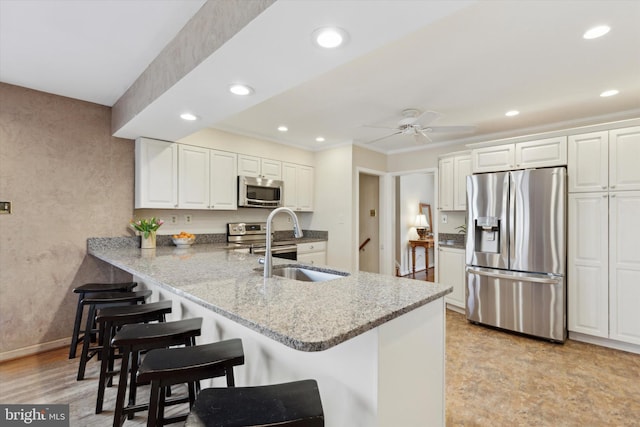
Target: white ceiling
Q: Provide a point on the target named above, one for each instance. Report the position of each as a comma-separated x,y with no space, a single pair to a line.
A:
471,61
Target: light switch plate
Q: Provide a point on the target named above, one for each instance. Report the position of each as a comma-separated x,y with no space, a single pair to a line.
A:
5,207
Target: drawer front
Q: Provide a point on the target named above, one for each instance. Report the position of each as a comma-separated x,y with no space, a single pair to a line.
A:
312,247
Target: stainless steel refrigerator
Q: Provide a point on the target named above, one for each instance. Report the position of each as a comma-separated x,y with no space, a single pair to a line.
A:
516,251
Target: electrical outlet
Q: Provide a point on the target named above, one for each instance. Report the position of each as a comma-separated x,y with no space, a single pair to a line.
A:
444,218
187,219
174,219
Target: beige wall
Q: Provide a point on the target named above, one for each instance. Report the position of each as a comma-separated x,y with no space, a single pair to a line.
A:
68,180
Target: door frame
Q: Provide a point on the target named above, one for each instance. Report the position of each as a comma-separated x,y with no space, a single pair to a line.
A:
382,176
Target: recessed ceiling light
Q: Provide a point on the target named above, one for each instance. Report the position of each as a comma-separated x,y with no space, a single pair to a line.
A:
595,32
188,116
512,113
319,139
610,92
283,128
240,89
329,37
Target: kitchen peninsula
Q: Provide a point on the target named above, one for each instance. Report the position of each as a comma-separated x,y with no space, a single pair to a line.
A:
374,343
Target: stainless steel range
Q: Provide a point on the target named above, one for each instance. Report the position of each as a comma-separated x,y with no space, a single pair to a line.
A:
254,235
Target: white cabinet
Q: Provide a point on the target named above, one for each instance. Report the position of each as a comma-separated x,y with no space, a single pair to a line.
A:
156,174
588,166
521,155
604,265
258,167
588,264
223,177
601,161
624,266
207,179
313,253
298,186
452,177
193,177
624,159
451,265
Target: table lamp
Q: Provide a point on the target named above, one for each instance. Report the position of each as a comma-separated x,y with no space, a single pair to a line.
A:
421,225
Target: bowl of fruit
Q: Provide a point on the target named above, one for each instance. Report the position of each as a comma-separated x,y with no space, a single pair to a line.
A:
184,239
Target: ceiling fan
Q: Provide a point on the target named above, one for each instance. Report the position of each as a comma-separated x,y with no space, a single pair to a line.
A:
416,124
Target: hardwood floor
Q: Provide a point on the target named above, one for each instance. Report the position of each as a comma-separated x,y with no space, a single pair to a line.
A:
493,378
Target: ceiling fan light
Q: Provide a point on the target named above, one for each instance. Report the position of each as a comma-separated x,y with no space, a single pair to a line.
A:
595,32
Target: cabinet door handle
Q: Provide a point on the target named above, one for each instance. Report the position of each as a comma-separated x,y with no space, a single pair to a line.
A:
613,195
613,186
604,196
604,187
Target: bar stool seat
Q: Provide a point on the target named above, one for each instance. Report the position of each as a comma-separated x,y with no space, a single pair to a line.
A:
132,339
111,318
95,301
166,367
289,404
82,291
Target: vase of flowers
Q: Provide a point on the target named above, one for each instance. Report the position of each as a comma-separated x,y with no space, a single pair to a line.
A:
147,229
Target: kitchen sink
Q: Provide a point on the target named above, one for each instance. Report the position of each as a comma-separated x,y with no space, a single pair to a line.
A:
306,274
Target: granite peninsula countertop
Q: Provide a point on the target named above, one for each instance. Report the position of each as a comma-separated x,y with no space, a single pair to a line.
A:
307,316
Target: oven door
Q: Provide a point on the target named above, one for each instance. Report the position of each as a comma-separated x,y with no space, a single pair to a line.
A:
286,252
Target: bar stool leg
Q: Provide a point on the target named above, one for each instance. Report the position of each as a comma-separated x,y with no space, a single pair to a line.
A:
76,328
85,343
118,416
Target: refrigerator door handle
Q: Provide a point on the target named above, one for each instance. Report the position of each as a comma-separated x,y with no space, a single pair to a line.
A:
512,277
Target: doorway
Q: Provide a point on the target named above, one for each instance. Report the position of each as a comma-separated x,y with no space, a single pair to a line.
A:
369,223
411,191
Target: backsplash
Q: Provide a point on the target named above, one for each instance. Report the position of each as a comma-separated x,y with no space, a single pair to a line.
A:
455,239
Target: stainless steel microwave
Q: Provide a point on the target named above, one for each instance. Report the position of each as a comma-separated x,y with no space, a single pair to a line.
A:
260,192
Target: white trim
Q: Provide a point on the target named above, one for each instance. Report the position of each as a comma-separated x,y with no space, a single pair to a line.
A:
34,349
604,342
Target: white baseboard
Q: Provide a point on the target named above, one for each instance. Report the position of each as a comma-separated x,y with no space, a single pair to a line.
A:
34,349
605,342
455,308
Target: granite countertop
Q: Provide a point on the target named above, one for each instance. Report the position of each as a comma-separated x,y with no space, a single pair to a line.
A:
307,316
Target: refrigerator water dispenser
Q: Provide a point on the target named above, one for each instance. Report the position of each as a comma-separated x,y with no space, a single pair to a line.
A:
487,234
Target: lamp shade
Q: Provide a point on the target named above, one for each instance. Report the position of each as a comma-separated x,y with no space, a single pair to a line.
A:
421,221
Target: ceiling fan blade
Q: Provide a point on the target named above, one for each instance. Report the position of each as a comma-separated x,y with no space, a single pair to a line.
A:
424,135
458,129
427,117
380,139
380,127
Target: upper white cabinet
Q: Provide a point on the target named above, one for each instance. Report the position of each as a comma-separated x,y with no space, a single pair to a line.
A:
607,160
207,179
521,155
452,177
170,175
223,179
193,177
258,167
156,174
624,159
588,164
298,186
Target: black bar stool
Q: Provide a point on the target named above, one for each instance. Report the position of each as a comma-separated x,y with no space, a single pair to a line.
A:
290,404
166,367
92,288
132,339
111,318
95,301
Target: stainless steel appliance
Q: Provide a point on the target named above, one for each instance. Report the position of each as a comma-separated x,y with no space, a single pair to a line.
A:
516,251
254,236
260,192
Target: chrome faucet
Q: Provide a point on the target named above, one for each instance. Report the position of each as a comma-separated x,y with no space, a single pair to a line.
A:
297,232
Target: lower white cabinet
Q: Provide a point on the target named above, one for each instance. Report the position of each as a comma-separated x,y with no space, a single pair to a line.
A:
451,266
313,253
604,265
